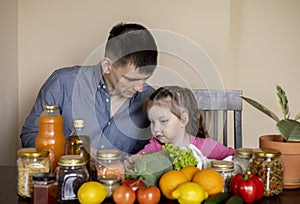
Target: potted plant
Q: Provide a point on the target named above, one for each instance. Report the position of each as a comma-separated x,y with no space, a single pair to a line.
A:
288,139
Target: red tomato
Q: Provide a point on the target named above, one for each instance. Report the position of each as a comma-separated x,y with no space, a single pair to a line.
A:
124,195
134,184
148,195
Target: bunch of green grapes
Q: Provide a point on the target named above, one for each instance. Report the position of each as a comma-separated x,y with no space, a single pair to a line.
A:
180,157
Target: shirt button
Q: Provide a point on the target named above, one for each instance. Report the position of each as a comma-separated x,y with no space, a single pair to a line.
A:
104,86
108,123
107,100
98,87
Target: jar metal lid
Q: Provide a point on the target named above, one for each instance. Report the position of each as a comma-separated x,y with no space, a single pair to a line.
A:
71,160
50,107
110,181
268,153
108,154
244,152
79,123
32,152
44,177
222,165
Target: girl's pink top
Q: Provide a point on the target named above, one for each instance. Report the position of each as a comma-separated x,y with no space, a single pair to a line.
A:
209,147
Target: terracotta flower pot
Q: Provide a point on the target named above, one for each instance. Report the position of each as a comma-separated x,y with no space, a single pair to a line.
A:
290,156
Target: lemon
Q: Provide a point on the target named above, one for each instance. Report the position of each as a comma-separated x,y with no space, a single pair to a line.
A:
190,193
91,192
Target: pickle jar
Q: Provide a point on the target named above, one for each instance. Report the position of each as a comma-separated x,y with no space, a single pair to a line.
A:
242,159
109,164
226,169
29,162
71,174
267,165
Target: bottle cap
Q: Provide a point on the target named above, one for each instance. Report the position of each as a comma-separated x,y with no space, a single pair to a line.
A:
244,152
44,177
71,160
222,165
50,107
267,153
32,152
79,123
107,154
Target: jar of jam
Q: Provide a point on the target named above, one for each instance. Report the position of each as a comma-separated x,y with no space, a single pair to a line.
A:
267,165
44,188
226,169
71,174
29,162
242,159
109,164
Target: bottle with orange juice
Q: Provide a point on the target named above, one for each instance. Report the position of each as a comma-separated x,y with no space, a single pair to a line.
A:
51,136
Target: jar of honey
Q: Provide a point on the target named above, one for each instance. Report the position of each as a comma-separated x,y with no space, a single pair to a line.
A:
51,136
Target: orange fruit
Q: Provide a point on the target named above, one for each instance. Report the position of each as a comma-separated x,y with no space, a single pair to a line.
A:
169,181
189,171
210,180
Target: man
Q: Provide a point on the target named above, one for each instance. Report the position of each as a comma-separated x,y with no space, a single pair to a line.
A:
108,96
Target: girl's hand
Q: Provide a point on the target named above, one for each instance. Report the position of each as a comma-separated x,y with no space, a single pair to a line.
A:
130,161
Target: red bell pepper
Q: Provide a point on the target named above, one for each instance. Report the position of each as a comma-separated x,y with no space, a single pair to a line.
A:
248,186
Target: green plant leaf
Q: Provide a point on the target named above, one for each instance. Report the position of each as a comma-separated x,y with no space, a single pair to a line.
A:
282,101
289,129
262,108
297,117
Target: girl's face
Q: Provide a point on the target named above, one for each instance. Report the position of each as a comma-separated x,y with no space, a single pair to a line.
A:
165,126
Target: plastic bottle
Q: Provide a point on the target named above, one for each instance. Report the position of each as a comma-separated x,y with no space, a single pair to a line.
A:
51,136
79,142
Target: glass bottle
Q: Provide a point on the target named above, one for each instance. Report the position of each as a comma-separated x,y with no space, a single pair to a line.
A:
79,142
242,159
71,174
109,164
267,165
44,188
30,162
51,136
226,169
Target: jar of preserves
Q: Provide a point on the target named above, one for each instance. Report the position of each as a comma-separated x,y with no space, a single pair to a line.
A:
29,162
226,169
267,165
109,164
71,174
44,188
51,136
242,159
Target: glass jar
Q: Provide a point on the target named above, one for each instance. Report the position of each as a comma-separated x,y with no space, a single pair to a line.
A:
226,169
109,164
110,184
51,136
242,159
71,174
44,188
266,164
30,162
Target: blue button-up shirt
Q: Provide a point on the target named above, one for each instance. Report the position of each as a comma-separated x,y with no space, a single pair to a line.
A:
81,93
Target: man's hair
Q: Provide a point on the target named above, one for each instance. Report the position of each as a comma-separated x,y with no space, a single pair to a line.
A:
132,43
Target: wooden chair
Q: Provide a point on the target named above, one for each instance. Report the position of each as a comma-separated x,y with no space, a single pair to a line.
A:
212,102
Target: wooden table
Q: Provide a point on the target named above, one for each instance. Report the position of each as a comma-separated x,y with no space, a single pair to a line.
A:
8,191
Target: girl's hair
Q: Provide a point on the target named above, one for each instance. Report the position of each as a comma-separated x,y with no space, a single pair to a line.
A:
179,100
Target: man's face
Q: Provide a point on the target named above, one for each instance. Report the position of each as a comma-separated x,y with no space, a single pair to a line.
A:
127,80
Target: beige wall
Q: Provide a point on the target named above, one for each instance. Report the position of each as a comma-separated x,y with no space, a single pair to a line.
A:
253,44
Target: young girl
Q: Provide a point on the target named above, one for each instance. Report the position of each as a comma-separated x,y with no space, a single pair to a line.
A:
175,119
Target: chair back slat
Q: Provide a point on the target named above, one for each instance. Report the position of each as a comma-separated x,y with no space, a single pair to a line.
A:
212,102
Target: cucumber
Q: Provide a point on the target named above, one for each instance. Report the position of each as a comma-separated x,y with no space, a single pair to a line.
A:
217,199
235,200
